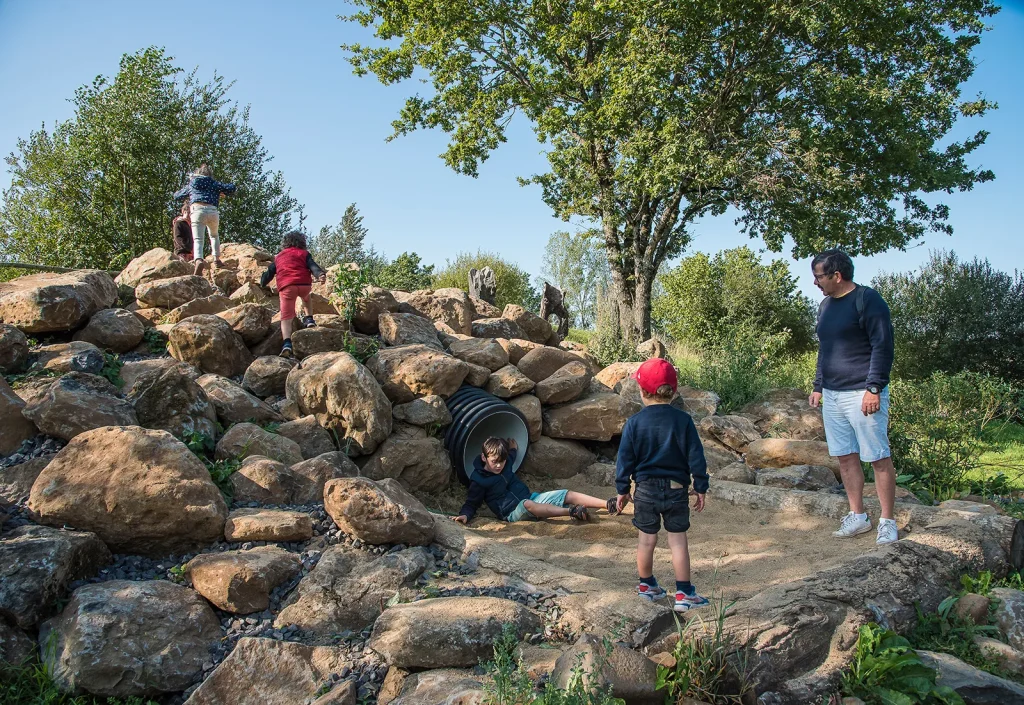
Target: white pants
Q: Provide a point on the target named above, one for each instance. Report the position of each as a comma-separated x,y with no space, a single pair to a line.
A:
205,218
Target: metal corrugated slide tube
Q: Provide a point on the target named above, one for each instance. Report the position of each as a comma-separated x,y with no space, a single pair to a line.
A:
476,416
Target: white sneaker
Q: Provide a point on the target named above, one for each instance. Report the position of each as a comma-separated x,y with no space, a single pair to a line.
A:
852,526
887,532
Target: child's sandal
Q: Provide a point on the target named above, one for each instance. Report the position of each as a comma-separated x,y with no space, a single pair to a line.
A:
579,512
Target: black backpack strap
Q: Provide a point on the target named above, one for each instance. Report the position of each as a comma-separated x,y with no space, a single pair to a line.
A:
859,304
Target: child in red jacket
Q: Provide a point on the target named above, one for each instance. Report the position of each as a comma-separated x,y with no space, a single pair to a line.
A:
294,269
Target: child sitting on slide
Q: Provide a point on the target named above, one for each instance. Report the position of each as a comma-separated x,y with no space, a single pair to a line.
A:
492,481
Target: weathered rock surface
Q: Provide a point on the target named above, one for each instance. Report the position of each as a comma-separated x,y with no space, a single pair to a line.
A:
1009,608
15,428
131,371
250,293
595,418
698,403
517,348
443,685
485,352
781,453
203,306
13,349
140,491
478,375
251,321
246,439
310,476
234,404
447,632
262,480
241,581
123,638
630,675
975,686
413,371
418,461
36,565
209,343
15,647
542,362
372,304
76,356
1003,654
114,329
313,439
509,382
16,480
345,398
496,328
530,407
248,261
378,512
652,348
347,588
535,328
449,306
167,397
269,672
735,432
79,402
266,376
50,302
310,341
408,329
797,477
786,412
425,411
565,384
267,525
158,263
172,293
736,472
972,607
553,457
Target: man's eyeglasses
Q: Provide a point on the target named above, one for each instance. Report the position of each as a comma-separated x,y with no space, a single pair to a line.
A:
819,277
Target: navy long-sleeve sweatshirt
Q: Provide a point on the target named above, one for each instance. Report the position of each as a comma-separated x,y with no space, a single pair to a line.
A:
852,356
501,491
661,441
203,189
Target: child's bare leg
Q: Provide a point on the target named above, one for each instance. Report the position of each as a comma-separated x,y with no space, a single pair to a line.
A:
645,554
680,555
545,511
307,305
286,328
588,501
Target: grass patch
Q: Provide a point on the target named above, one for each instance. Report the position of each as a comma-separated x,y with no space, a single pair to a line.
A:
1004,455
31,684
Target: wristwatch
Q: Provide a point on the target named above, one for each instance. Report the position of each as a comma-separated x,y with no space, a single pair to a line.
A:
874,389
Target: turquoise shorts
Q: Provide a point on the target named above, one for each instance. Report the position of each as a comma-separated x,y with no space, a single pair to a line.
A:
554,497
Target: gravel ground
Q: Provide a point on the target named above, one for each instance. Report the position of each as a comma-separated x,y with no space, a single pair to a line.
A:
33,448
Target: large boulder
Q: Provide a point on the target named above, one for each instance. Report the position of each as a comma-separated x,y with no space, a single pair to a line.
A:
509,382
261,671
347,588
565,384
425,411
626,673
975,686
614,373
373,302
172,293
541,363
783,452
131,371
246,439
140,491
378,512
15,646
698,403
251,293
797,477
250,321
123,639
167,397
79,402
310,341
496,328
310,476
158,263
77,356
734,432
266,376
553,457
267,525
485,352
234,404
36,565
734,472
408,329
477,376
13,349
14,427
517,348
483,309
595,418
786,413
448,631
449,306
536,329
203,306
412,371
114,329
209,343
262,480
50,302
529,406
248,261
313,439
241,581
1009,614
344,397
16,480
441,685
418,461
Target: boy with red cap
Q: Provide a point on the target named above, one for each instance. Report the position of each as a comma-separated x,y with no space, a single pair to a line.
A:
661,452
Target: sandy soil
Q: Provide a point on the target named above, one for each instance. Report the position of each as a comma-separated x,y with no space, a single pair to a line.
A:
735,551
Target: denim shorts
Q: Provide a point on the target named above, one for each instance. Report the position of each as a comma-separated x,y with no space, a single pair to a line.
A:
554,497
656,500
848,430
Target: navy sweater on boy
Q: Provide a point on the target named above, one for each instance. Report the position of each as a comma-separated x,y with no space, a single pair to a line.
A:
501,491
661,441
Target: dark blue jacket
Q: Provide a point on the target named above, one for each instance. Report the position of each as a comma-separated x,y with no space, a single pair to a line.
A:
203,189
855,341
502,492
661,441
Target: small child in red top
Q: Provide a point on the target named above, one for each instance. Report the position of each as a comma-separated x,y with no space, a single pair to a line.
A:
294,269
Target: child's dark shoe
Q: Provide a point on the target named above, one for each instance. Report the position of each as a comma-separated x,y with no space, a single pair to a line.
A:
579,512
650,592
308,322
612,505
685,603
286,350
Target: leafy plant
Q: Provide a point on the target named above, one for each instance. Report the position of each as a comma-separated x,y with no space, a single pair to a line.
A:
221,472
200,444
32,684
887,671
154,341
111,369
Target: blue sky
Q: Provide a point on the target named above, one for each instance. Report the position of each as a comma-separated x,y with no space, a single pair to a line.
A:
327,129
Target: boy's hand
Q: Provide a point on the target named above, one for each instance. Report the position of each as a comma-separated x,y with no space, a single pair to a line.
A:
462,519
621,501
512,444
322,278
698,502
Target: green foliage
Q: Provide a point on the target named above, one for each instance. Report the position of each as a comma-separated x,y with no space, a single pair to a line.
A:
95,191
343,243
886,671
156,343
953,316
350,287
575,263
405,273
608,346
32,684
203,447
706,299
200,444
111,370
818,122
513,283
937,427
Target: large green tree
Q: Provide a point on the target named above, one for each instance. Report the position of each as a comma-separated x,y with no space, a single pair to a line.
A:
575,265
345,242
822,121
96,190
513,282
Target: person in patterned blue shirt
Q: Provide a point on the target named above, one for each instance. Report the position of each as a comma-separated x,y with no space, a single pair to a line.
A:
203,193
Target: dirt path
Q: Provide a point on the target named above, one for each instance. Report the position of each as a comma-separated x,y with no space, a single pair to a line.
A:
749,549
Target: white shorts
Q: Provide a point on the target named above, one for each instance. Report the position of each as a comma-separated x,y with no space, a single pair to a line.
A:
848,430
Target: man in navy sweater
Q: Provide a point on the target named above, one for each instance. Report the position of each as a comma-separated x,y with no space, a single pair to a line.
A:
852,386
661,452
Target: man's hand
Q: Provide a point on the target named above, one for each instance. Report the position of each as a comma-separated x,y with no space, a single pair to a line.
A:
698,502
870,403
814,400
462,519
621,501
512,444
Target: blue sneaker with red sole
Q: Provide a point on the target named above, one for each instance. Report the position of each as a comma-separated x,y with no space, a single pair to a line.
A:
685,603
650,592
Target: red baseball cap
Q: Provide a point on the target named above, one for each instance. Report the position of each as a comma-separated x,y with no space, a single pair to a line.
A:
654,373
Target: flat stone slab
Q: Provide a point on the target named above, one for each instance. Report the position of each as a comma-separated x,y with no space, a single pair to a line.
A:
267,525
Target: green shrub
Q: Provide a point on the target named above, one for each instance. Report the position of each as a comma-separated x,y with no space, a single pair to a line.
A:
32,684
513,283
112,369
154,341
